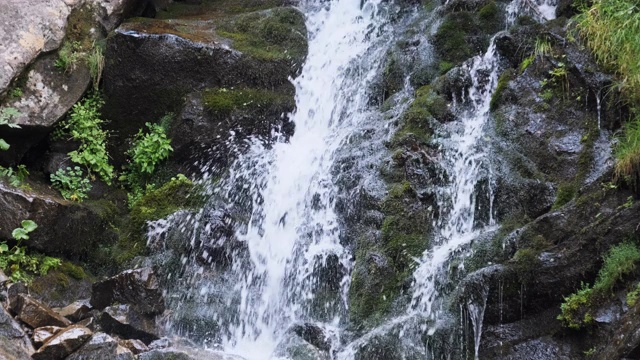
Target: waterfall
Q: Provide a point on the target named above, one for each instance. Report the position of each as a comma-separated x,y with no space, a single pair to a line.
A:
291,232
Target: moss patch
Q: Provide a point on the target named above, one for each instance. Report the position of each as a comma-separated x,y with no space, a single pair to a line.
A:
225,101
176,194
503,81
272,35
425,108
216,8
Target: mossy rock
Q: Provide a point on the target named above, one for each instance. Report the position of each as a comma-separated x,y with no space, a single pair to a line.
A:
216,8
179,193
450,40
271,35
224,101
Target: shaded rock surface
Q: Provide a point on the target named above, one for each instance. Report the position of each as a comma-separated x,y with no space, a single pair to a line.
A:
126,322
36,314
139,288
14,343
101,347
63,344
64,227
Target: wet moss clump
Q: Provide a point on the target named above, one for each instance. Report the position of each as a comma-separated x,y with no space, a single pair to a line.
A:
275,34
179,193
503,81
216,8
224,101
450,40
417,120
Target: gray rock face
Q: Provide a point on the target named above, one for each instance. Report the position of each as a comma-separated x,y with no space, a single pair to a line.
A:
127,323
134,345
139,288
76,311
42,334
14,343
36,314
22,40
101,347
63,344
64,227
165,354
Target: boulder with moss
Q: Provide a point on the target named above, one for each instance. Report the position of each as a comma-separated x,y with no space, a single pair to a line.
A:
234,62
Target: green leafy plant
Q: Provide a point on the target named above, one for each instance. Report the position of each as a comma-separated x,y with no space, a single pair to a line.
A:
633,296
68,56
85,126
71,183
560,76
627,153
16,92
6,115
619,261
15,177
147,151
542,48
15,260
95,61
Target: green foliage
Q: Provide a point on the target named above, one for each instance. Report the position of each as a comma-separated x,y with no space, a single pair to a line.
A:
627,153
16,92
574,308
611,29
503,81
17,177
68,56
147,151
566,192
85,126
526,62
560,76
541,49
633,296
71,183
19,265
95,61
619,261
6,115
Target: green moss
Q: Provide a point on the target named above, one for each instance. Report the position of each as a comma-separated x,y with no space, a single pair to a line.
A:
490,17
393,77
503,81
444,67
82,27
566,193
274,35
174,195
450,39
73,271
525,262
416,121
620,261
225,101
216,8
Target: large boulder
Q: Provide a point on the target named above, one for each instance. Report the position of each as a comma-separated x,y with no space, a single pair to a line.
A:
63,344
152,64
14,343
64,227
101,347
139,288
37,314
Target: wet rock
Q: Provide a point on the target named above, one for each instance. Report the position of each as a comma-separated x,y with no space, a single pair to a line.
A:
63,344
13,290
126,322
42,334
134,345
314,335
64,227
14,343
165,354
36,314
154,59
101,347
454,84
162,343
76,311
294,347
139,288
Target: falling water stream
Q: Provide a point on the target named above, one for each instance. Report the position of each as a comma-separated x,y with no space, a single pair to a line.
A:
290,229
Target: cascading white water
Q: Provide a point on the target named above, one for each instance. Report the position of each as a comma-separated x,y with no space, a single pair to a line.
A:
293,225
467,156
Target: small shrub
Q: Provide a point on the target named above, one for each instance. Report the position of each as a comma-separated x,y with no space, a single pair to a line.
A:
85,125
6,115
17,263
15,177
71,183
627,153
95,61
16,93
619,261
68,56
633,296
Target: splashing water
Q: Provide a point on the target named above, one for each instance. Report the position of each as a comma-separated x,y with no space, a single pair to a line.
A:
293,229
467,154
